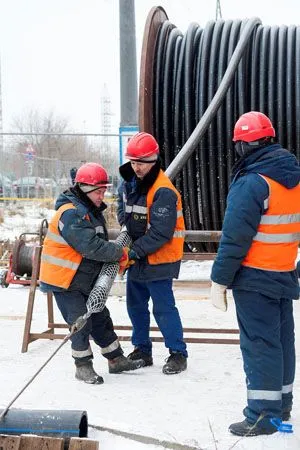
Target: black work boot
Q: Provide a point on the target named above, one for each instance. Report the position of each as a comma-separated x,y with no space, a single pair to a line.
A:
139,354
176,363
249,429
123,364
85,372
286,415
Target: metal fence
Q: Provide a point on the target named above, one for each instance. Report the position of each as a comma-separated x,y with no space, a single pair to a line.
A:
37,165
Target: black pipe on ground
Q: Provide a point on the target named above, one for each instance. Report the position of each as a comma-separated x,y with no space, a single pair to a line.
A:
52,423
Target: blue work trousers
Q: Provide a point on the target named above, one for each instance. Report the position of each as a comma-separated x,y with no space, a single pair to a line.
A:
267,343
164,310
72,304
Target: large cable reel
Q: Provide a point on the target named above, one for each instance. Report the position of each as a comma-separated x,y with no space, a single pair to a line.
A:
180,81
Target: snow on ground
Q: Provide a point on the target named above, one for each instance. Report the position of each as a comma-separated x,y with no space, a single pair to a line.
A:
21,217
193,408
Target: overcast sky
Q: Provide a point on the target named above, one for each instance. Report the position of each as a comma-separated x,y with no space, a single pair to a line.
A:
58,54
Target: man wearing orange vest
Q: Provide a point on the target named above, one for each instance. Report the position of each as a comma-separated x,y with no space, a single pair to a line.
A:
257,260
150,208
74,250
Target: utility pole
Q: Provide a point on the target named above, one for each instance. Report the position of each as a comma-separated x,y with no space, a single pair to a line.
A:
1,126
128,67
218,10
128,75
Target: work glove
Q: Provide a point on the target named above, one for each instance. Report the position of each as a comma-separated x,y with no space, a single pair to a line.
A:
125,262
218,296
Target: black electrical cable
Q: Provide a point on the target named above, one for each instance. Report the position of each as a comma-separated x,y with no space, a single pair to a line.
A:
281,84
204,80
168,93
222,145
159,72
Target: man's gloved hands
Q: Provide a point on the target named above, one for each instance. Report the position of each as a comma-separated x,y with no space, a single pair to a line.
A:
125,261
218,296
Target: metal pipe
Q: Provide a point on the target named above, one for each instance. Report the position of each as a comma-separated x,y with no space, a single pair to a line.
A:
189,235
64,424
202,235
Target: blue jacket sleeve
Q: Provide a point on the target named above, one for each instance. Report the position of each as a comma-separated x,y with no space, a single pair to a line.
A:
245,206
162,220
81,235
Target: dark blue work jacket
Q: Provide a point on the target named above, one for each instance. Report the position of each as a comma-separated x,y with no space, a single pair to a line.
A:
87,236
245,206
163,220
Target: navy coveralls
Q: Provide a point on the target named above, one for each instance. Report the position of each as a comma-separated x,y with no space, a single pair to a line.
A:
263,298
143,279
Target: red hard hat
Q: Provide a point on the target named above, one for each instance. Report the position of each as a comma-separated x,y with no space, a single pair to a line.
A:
253,126
93,174
140,146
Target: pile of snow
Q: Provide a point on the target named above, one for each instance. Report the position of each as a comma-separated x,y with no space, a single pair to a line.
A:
21,218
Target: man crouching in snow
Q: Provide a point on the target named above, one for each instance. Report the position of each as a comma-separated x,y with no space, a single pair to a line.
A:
74,250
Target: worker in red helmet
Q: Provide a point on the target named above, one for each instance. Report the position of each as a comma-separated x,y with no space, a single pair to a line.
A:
150,207
74,250
256,259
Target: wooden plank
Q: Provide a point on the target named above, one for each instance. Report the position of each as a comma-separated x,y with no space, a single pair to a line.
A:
33,442
9,442
83,444
46,335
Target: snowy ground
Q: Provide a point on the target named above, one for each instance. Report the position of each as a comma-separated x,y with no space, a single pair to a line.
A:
191,410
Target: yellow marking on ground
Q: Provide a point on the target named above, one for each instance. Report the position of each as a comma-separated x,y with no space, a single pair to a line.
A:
35,199
21,199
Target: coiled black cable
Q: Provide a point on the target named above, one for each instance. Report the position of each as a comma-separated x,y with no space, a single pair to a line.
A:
188,70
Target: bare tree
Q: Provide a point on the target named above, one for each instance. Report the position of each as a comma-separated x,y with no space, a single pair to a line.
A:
53,152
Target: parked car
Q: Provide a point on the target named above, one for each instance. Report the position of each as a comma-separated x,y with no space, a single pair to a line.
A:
34,187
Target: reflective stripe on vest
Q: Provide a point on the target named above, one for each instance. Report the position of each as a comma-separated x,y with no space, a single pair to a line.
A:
172,250
275,245
136,209
59,261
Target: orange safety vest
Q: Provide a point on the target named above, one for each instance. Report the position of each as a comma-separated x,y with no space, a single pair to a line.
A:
275,246
172,250
59,261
